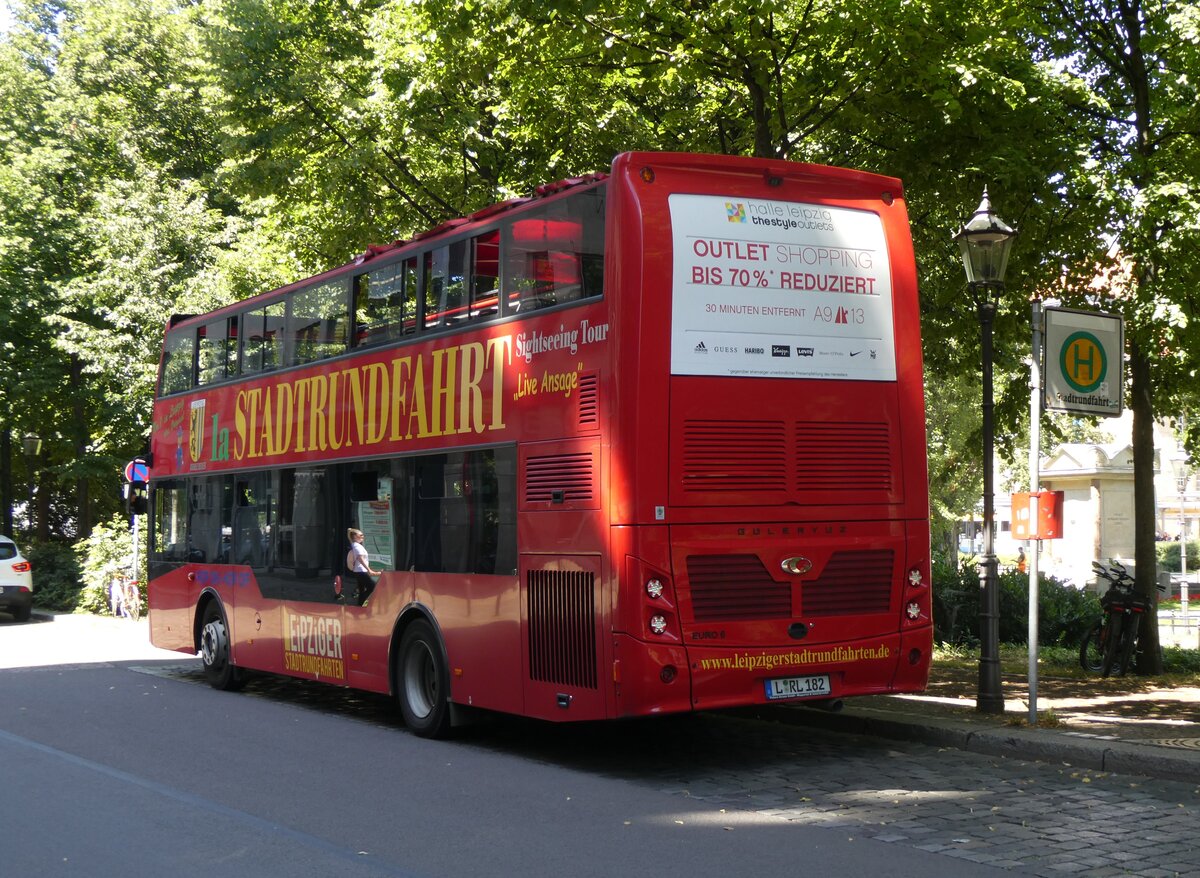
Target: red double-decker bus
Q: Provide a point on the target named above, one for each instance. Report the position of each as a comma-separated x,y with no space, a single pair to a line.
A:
646,442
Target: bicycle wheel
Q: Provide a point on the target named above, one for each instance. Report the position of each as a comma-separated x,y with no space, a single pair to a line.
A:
1115,631
1129,635
134,602
1091,650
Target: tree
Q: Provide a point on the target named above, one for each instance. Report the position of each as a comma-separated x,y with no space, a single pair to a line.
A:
1132,70
103,129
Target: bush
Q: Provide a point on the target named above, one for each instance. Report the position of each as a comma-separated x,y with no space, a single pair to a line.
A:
101,555
1168,555
1177,660
955,602
1064,612
56,576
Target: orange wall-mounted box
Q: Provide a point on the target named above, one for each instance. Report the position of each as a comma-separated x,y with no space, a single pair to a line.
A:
1049,516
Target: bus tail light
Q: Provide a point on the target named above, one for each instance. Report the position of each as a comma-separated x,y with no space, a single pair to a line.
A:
917,600
650,608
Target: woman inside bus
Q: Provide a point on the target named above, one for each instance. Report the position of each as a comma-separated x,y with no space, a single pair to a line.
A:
360,565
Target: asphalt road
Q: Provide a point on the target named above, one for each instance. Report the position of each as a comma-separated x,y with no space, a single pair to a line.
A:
131,765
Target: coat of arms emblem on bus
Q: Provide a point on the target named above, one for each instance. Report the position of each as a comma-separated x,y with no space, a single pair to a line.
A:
196,430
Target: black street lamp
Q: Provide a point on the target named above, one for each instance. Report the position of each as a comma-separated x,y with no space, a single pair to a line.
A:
986,241
32,446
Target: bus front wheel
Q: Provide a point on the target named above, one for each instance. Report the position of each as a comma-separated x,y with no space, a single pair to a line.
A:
219,670
422,684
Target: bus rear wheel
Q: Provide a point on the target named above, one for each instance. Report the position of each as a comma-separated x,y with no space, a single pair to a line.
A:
422,684
219,670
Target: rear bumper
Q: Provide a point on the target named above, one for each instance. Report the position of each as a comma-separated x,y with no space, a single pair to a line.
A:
733,677
15,597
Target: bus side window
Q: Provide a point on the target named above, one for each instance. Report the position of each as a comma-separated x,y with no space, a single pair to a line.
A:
385,303
252,520
412,277
464,512
178,359
445,294
262,338
317,322
170,534
485,275
555,254
216,355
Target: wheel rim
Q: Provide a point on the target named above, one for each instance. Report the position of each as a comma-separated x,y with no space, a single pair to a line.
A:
420,680
214,644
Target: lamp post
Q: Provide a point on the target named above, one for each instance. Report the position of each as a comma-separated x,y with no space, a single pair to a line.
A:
32,446
1182,474
985,241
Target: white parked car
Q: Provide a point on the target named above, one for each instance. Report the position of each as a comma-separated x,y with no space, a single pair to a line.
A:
16,581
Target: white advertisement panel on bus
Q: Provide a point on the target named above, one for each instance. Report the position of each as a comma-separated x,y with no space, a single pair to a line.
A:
779,289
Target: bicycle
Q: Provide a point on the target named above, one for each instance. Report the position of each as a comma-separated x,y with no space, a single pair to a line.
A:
133,600
125,598
1112,642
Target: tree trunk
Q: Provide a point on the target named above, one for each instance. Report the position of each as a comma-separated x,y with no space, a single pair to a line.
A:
6,483
41,502
1146,573
83,514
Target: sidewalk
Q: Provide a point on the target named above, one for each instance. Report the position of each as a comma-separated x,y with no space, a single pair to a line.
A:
1126,725
50,639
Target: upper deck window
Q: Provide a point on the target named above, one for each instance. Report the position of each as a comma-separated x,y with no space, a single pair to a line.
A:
555,253
216,355
445,291
485,275
262,345
178,359
318,322
385,303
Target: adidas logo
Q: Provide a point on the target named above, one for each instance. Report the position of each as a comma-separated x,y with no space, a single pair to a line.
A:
701,349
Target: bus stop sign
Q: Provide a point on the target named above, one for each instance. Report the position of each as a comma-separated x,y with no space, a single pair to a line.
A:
1084,355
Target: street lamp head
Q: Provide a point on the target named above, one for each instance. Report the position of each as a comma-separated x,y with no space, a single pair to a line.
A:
985,241
32,445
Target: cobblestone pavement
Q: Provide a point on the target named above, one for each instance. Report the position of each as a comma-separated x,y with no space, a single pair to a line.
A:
1032,818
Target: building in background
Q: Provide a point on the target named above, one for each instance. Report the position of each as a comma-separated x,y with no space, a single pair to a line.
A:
1098,520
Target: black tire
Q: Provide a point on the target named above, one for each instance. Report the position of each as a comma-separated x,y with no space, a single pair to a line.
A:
1091,650
1129,632
219,670
21,614
422,683
1116,630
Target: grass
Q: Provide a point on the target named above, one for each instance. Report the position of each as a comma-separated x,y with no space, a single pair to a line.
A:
1181,666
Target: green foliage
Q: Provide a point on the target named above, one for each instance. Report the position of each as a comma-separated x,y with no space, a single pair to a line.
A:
102,555
56,576
1168,556
162,156
1064,612
1059,661
1177,660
